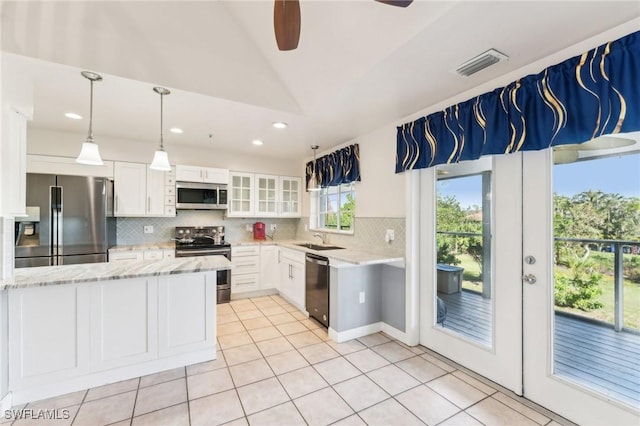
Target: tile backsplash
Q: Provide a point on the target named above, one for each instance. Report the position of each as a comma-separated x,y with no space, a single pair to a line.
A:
368,235
131,229
369,232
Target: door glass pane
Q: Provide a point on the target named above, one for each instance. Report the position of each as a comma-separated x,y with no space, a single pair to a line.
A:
597,271
463,239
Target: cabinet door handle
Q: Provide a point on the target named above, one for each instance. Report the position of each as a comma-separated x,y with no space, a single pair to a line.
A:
116,203
148,204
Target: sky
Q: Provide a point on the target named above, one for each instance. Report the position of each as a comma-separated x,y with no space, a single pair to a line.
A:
610,175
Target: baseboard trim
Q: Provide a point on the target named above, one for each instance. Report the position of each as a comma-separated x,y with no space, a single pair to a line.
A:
92,380
354,333
395,333
7,402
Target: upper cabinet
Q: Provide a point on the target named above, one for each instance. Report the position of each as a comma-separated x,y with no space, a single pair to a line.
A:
13,154
52,165
202,174
267,196
290,196
140,191
258,195
241,197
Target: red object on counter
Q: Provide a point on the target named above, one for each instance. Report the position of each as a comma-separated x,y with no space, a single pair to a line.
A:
259,231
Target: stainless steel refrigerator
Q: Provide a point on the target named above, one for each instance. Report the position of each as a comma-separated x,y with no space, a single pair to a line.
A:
69,221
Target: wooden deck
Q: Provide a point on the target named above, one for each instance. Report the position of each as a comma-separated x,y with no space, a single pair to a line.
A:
587,353
598,357
469,314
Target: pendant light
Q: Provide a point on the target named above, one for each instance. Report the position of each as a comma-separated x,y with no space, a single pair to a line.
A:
312,185
160,158
90,154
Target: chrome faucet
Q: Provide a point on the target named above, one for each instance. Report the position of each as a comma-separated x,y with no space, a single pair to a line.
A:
322,236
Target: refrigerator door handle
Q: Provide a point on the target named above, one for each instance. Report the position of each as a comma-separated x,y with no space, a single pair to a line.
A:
55,200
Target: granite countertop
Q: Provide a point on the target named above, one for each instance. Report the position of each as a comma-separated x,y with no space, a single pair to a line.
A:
170,245
92,272
338,257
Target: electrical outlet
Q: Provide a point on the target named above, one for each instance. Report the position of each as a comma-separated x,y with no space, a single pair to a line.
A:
248,227
273,227
389,235
148,229
362,297
306,227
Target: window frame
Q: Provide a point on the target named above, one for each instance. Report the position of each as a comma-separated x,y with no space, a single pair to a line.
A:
316,213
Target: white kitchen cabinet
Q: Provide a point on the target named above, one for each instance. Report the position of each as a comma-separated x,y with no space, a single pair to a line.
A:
53,165
259,195
118,256
14,157
269,267
150,254
49,328
245,275
130,189
290,196
202,174
266,196
241,195
292,277
124,321
140,191
193,293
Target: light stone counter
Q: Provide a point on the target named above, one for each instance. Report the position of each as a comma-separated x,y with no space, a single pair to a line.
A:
92,272
339,257
170,245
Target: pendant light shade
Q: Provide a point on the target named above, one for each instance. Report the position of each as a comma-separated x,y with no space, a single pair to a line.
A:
160,158
90,153
313,185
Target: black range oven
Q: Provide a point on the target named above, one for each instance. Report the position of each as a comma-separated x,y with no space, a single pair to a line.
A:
206,241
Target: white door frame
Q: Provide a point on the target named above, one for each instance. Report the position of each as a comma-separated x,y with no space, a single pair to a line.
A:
502,362
577,403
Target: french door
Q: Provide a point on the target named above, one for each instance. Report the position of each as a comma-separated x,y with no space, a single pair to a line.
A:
482,329
519,277
570,398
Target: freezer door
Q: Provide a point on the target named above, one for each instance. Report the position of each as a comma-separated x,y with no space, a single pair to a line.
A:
30,262
33,235
82,229
85,258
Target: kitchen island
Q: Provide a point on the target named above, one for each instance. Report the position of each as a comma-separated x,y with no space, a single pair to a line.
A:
81,326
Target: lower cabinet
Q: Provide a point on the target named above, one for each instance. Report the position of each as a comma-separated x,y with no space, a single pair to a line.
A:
245,275
269,267
150,254
124,326
75,335
49,331
192,293
292,277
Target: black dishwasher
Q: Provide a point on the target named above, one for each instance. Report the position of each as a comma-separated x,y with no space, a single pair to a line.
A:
317,286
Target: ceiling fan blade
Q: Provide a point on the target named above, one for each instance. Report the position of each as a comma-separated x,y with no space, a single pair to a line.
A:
399,3
286,23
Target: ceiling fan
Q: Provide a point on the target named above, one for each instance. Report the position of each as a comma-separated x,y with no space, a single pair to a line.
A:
286,20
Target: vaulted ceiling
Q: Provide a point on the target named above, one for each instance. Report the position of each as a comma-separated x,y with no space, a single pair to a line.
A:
359,64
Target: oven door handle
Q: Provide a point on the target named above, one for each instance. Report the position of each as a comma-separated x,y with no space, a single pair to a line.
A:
209,252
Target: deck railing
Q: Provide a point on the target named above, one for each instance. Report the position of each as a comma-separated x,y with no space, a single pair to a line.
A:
618,269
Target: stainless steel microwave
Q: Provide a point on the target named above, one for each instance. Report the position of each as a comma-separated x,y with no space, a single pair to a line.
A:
201,196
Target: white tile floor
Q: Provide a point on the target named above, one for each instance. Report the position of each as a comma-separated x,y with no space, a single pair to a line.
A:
277,367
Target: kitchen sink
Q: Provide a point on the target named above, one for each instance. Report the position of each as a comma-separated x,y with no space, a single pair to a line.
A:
318,246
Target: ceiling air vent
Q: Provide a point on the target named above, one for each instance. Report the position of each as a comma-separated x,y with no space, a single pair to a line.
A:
480,62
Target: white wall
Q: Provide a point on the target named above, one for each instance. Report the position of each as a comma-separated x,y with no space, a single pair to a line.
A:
381,191
49,142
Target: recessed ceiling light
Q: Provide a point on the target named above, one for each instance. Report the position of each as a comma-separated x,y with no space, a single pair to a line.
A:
176,130
73,116
257,142
280,125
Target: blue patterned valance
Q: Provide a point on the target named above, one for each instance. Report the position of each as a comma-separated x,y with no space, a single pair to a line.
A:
584,97
341,166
